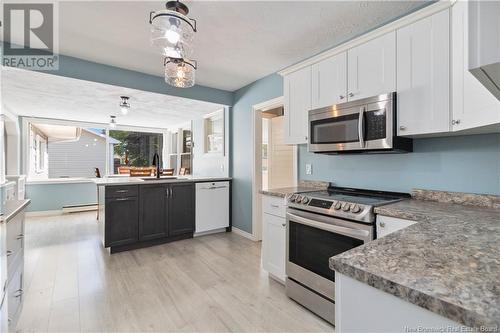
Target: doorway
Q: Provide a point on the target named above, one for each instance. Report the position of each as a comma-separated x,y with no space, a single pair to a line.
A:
274,162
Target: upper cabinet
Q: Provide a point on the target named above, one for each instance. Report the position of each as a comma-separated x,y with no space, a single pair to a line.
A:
372,67
473,105
423,75
329,81
424,57
297,88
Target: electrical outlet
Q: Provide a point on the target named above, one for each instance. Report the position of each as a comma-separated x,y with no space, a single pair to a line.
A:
309,169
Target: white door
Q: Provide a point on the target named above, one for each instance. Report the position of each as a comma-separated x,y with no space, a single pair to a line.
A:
329,81
423,75
297,90
274,245
473,105
372,67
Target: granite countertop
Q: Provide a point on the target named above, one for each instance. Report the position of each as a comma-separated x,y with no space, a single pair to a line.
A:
303,186
110,181
448,262
12,208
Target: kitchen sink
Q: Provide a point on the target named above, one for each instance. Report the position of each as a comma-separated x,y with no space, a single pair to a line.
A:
161,178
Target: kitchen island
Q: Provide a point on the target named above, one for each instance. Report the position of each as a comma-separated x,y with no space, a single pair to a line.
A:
443,271
140,212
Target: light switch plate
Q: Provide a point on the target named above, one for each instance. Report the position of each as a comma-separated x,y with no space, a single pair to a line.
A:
309,169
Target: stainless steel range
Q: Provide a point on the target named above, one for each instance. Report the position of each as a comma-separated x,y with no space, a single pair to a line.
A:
321,225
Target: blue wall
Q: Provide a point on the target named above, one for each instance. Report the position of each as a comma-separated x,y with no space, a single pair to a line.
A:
241,146
91,71
56,196
462,163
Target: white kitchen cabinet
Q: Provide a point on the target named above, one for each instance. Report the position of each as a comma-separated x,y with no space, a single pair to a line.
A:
3,278
473,105
423,75
329,81
387,225
274,245
297,90
274,236
372,67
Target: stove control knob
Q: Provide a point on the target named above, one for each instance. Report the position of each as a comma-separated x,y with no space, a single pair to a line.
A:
346,206
337,205
298,199
291,198
305,200
355,209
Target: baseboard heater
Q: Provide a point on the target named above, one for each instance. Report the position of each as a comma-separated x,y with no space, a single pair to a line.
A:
79,208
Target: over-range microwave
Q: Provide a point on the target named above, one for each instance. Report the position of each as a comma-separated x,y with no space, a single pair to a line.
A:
363,126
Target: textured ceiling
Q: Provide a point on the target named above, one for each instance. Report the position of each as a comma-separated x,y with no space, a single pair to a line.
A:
237,42
34,94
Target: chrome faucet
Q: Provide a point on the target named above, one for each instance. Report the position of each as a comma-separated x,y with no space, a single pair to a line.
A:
156,163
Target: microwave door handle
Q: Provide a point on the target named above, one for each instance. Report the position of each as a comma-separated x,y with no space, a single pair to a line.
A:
361,127
355,233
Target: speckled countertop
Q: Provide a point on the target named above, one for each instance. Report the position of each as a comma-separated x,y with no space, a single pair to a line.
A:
303,186
126,180
448,262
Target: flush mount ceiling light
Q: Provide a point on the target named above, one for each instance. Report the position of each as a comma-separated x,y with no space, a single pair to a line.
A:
172,31
124,105
112,121
180,72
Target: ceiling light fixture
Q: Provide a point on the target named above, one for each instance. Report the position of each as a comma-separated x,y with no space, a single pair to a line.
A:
124,105
112,121
172,31
180,72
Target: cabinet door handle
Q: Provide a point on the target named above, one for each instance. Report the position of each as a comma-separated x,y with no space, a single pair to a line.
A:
9,253
382,224
283,225
20,236
20,293
122,191
402,128
275,206
341,97
455,122
351,94
122,199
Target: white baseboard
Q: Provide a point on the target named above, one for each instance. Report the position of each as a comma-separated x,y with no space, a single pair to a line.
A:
79,208
44,213
244,234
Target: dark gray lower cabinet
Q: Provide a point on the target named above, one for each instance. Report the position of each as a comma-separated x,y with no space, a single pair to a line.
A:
155,214
122,223
181,209
153,222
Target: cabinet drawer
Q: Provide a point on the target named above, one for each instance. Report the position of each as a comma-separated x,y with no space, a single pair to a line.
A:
15,238
273,205
387,225
15,296
121,191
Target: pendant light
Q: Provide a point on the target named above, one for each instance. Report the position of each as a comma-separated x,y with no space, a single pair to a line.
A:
124,105
180,72
112,121
172,31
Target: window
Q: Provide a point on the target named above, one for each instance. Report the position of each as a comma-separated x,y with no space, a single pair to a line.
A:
134,149
58,149
214,132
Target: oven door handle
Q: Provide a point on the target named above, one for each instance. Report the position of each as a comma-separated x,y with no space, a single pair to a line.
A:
356,233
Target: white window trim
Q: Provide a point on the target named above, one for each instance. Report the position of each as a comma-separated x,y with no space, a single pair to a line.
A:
25,151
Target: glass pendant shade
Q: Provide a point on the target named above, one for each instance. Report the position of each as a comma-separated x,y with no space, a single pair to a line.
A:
112,122
124,105
179,72
173,33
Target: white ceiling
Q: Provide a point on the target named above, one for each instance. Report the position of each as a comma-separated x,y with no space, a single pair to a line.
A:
237,42
34,94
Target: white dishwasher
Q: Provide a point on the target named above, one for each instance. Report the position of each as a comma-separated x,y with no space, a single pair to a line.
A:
212,206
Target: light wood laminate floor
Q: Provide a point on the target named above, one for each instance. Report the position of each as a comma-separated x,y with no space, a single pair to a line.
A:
207,284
